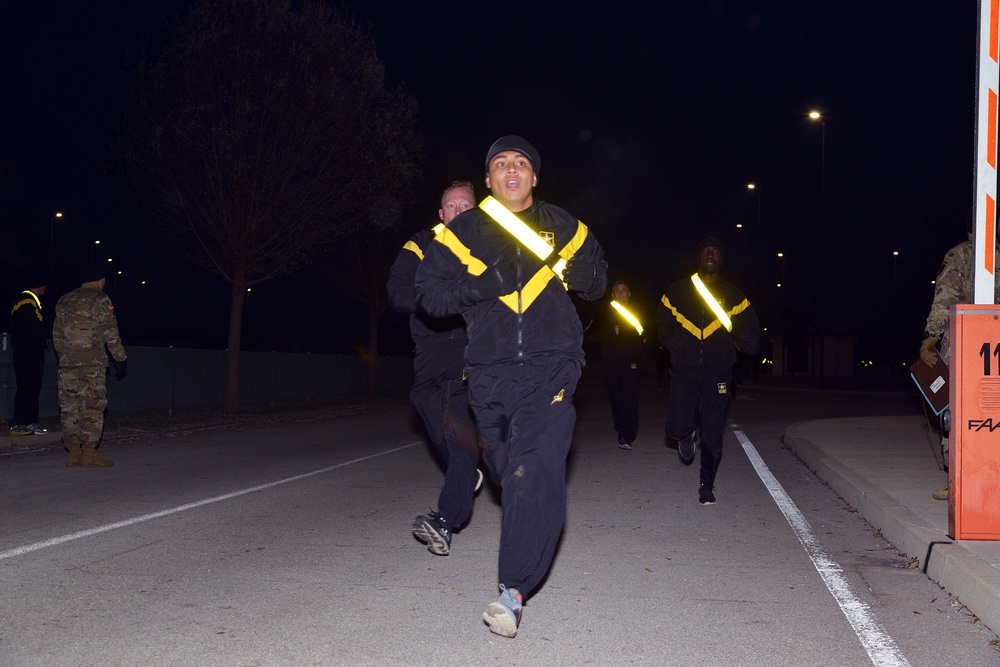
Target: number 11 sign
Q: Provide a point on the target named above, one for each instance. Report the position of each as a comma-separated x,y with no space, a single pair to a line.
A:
974,457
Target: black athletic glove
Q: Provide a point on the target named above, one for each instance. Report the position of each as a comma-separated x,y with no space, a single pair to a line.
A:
121,368
580,275
497,280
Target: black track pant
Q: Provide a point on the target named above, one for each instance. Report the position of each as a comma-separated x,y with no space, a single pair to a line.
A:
443,404
28,367
623,384
699,398
525,416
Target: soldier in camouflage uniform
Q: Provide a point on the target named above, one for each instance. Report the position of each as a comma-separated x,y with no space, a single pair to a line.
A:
953,286
84,327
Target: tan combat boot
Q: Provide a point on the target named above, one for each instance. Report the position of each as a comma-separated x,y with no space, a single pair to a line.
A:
73,460
942,493
90,458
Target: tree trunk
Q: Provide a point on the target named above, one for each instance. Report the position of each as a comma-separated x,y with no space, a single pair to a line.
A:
371,383
231,394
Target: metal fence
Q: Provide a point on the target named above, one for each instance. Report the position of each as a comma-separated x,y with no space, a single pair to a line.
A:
168,378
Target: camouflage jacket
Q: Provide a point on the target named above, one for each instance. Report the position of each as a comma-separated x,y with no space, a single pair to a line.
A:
84,325
953,286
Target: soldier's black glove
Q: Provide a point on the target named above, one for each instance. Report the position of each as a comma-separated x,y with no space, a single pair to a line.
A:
580,275
496,280
121,368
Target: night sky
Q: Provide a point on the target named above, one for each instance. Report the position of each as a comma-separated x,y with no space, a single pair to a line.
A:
651,118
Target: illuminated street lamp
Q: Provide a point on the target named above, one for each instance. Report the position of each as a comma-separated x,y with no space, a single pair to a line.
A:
96,243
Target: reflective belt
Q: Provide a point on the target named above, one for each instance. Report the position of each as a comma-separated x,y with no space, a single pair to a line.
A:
522,232
711,302
627,315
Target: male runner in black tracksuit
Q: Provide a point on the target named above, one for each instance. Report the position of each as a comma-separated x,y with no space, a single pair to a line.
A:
523,358
439,391
702,353
621,348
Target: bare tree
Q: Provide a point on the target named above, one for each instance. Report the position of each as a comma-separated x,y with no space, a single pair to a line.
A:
259,135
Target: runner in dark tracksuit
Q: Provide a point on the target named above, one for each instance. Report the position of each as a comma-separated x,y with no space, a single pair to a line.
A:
621,348
523,358
702,353
439,389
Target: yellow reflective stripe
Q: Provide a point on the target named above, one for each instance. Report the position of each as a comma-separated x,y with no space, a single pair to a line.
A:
692,328
516,227
530,291
559,268
568,250
29,303
687,324
414,248
38,302
632,319
711,302
473,265
574,243
740,307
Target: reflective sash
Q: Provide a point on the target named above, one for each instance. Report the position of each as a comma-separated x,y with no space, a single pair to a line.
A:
710,301
632,319
522,232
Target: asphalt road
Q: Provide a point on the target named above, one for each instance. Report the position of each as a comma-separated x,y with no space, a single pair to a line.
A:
287,542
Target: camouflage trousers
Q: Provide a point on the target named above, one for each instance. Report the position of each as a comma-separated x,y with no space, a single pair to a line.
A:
83,396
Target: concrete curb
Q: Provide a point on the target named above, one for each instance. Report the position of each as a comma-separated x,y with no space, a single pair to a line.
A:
951,564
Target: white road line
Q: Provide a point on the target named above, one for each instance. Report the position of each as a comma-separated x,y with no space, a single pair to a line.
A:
20,551
880,646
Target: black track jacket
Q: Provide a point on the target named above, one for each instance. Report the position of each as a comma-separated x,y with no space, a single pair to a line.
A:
687,327
537,323
427,331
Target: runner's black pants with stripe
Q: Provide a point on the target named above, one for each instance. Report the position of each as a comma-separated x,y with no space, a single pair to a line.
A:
698,399
525,416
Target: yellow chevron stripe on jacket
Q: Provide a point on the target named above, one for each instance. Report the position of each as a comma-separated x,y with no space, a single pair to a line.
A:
534,286
693,329
473,265
415,249
33,301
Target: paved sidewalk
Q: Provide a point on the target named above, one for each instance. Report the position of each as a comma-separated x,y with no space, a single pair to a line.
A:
885,468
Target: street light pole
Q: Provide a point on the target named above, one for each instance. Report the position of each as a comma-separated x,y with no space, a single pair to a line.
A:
52,235
739,226
817,265
752,187
895,317
781,285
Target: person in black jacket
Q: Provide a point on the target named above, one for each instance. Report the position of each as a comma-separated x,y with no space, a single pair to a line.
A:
621,348
438,393
702,331
524,354
28,333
